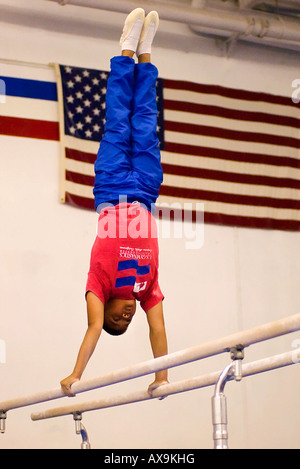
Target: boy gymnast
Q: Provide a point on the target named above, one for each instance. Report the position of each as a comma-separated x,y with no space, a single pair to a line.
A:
128,175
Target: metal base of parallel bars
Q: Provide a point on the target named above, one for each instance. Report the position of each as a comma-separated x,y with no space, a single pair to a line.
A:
81,430
2,421
219,403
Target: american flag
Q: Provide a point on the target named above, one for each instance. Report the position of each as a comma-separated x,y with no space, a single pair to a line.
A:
236,151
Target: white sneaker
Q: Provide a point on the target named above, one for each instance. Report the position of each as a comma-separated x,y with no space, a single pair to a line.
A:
132,29
149,30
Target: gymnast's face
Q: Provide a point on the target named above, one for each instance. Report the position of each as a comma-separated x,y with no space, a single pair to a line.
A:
118,315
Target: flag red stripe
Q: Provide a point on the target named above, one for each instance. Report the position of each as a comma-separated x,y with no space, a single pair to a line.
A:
48,130
79,178
80,156
227,113
236,135
192,172
230,177
227,92
229,220
257,158
202,195
210,218
251,222
30,128
193,150
78,201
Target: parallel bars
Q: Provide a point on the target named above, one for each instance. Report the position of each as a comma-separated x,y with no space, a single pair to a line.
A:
215,347
249,369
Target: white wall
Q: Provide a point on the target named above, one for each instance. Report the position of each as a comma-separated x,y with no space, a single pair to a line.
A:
240,278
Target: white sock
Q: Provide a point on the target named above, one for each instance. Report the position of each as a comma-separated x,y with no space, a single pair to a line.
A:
133,37
145,45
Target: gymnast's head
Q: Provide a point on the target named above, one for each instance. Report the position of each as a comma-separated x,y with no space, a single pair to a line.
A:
118,315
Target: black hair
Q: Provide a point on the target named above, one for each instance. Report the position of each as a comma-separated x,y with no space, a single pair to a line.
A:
110,330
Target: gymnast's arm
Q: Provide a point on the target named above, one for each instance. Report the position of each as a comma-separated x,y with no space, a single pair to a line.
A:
95,310
158,340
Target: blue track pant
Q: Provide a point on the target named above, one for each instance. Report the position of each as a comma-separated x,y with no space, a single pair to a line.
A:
128,160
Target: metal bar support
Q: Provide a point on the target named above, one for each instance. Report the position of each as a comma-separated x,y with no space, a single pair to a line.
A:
81,430
219,402
2,421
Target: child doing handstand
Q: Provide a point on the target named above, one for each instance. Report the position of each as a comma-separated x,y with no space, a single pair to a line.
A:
128,175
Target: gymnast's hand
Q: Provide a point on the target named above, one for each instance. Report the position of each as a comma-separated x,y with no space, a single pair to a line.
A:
156,384
66,385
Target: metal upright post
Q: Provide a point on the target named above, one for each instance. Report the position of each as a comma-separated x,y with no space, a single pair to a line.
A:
219,403
2,421
219,410
80,430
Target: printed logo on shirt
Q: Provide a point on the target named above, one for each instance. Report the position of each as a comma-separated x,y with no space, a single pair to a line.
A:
125,282
135,253
131,280
134,264
139,286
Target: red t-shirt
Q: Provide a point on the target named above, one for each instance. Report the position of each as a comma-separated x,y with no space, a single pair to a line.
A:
124,257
